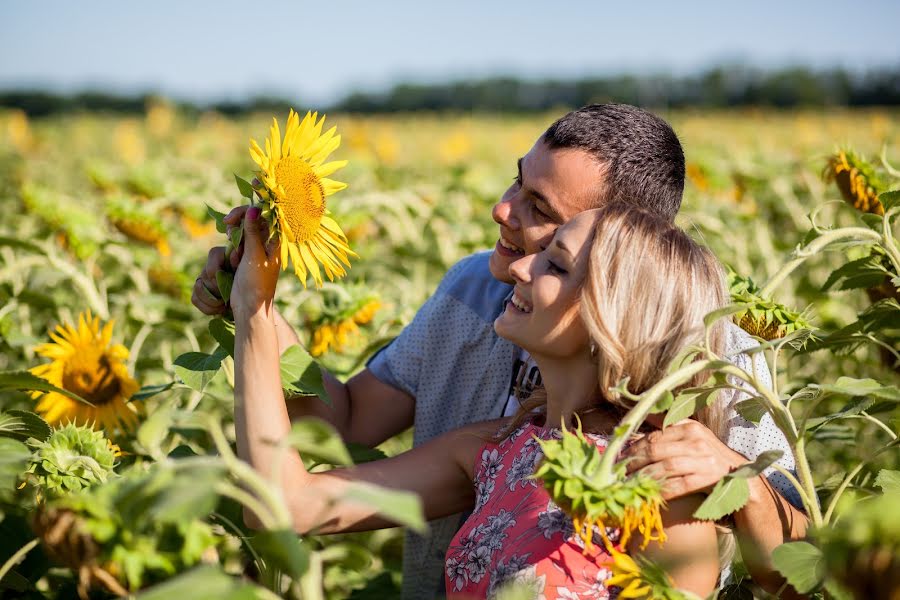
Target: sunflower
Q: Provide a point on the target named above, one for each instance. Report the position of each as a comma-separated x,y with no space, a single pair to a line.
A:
643,579
336,332
87,364
293,186
857,181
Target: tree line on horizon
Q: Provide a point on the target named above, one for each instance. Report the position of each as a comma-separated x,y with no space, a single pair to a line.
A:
721,87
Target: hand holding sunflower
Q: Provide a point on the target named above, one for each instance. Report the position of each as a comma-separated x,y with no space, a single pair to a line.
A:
257,272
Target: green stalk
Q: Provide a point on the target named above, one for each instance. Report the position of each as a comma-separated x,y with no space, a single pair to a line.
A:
245,475
17,557
814,247
639,412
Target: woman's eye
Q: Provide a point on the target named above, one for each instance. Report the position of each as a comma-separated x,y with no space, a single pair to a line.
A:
554,268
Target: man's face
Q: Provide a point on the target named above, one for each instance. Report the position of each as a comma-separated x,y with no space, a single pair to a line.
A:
551,187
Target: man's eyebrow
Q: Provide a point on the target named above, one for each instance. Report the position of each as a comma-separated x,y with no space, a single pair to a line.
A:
547,207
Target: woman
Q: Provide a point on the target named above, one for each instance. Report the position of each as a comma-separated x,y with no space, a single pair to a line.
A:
618,293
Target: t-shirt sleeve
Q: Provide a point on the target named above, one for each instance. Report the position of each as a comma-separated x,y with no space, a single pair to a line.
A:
748,438
400,363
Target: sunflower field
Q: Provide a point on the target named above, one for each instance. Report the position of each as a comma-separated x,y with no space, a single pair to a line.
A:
118,475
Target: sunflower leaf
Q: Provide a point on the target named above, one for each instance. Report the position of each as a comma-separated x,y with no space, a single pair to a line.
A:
762,462
23,380
300,374
218,217
317,439
284,550
801,563
889,199
196,369
21,425
404,508
244,187
224,280
729,495
14,457
888,481
223,332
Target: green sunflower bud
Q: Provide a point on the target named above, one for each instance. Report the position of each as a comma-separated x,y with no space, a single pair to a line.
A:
74,457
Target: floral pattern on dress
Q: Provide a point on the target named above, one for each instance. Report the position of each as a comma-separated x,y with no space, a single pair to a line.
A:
517,535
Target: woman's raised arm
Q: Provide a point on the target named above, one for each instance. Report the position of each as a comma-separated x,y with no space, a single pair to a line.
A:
440,472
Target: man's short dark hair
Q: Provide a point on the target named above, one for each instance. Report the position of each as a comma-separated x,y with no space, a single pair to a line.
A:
641,155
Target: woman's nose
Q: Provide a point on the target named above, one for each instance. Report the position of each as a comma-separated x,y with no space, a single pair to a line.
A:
520,270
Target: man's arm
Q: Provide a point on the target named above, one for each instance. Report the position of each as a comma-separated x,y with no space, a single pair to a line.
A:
693,460
364,410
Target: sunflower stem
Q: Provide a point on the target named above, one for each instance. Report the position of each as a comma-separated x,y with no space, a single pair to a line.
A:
800,254
639,412
18,557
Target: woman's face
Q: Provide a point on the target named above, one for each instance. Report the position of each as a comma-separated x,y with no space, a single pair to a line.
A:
542,316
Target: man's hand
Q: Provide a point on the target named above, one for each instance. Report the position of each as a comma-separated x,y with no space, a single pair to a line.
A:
206,296
688,455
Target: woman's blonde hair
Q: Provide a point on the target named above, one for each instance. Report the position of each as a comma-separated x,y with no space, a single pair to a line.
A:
645,294
647,288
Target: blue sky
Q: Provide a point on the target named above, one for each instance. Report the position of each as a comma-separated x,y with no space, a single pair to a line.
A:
207,50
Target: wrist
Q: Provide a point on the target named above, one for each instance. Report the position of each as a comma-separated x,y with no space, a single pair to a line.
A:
262,313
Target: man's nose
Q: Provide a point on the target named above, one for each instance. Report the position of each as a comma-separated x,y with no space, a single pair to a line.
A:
505,212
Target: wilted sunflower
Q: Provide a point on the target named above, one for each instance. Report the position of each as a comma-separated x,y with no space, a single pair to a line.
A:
857,180
643,579
336,331
763,317
87,364
293,186
571,474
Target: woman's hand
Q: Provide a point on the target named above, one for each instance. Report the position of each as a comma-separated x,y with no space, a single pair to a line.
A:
257,273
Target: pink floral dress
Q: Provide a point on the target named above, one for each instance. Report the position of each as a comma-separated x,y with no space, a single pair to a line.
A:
517,533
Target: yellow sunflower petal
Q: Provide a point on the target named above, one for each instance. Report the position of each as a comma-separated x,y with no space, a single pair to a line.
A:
331,186
328,168
311,264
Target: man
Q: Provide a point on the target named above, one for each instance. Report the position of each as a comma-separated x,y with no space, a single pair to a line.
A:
448,367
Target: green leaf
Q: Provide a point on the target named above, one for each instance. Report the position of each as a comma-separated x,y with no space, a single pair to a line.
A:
20,244
854,407
725,311
23,380
191,494
687,403
283,548
848,386
153,431
403,508
225,280
752,409
889,199
218,217
148,391
729,495
21,425
14,456
861,273
237,234
314,438
300,374
223,332
244,187
362,454
196,369
801,563
888,481
762,462
664,402
205,583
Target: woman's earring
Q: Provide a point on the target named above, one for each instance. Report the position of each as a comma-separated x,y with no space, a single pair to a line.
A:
593,350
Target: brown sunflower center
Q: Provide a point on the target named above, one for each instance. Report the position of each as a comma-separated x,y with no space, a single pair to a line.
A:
304,202
95,382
